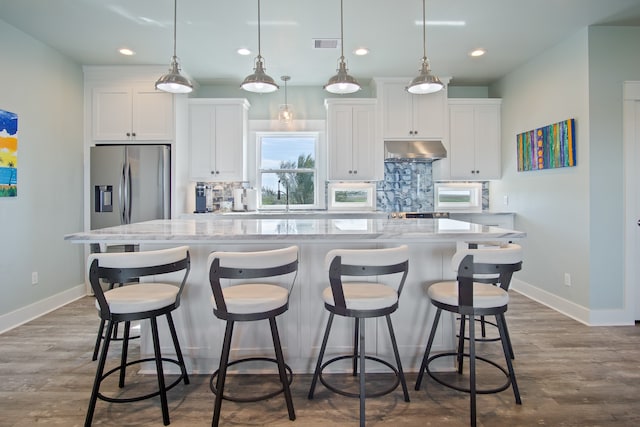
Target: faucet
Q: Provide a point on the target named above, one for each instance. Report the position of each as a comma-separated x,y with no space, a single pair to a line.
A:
286,193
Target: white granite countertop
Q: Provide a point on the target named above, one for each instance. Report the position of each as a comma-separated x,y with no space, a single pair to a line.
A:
216,229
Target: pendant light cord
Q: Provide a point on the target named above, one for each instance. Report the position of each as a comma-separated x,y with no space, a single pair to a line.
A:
424,32
175,20
341,34
259,50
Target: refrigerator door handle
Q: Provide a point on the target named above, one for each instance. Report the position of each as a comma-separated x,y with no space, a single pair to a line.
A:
121,195
129,198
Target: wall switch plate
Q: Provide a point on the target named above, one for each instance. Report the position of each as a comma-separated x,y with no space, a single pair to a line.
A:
567,279
34,278
505,200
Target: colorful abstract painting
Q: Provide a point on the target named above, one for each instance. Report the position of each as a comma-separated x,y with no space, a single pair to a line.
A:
8,154
548,147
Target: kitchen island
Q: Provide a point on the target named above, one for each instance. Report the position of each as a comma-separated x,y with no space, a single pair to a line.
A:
432,242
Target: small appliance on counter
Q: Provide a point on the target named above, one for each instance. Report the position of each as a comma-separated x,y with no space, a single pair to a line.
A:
238,199
251,199
245,200
201,197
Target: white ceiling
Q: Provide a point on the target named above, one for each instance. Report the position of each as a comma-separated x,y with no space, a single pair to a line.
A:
209,32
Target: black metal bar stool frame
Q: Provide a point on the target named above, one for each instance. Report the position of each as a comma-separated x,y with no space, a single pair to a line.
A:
466,310
336,270
126,275
216,273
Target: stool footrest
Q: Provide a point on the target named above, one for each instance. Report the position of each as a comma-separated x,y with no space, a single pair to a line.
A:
350,394
466,389
142,397
254,398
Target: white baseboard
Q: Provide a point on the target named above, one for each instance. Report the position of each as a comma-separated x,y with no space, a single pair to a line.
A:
610,317
32,311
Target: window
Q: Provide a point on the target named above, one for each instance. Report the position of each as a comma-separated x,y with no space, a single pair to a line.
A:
287,170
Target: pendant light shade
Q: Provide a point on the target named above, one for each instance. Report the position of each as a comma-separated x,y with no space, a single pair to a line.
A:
173,81
259,81
285,115
425,82
342,82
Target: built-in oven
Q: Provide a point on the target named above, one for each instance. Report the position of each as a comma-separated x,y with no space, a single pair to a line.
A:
410,215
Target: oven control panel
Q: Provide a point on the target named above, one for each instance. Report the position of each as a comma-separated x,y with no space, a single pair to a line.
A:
409,215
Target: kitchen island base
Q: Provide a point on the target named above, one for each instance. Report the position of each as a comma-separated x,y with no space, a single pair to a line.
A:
301,327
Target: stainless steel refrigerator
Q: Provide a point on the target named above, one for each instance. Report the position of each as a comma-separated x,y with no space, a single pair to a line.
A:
129,183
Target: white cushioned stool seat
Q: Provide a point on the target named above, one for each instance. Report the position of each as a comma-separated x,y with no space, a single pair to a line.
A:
485,295
364,295
140,298
253,298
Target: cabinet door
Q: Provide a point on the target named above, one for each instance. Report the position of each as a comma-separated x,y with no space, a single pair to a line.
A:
112,112
125,113
229,146
487,124
217,142
429,113
152,118
398,111
340,129
201,141
462,142
364,143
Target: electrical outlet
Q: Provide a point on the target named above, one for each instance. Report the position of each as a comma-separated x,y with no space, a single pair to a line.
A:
34,278
505,200
567,279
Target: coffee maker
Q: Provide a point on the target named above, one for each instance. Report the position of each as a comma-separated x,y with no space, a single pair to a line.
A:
201,197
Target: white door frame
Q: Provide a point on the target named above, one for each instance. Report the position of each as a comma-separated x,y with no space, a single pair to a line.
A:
631,150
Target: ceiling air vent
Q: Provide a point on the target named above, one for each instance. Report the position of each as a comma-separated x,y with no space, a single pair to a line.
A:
326,43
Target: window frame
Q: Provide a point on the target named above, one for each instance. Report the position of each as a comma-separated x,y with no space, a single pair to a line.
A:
317,179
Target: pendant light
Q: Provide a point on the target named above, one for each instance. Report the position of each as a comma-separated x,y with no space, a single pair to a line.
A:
173,81
425,82
259,81
342,82
285,115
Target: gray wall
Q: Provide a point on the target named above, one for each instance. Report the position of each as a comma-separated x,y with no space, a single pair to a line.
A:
45,90
572,216
613,58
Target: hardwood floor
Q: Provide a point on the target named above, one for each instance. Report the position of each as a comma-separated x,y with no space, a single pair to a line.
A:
569,375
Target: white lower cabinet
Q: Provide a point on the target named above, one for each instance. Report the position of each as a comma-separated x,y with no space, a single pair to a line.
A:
218,139
474,139
355,152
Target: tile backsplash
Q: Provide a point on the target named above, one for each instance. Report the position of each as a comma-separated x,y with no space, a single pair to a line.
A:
408,187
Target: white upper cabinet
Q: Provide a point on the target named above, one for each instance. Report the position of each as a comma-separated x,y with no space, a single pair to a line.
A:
139,113
355,153
474,132
218,139
408,116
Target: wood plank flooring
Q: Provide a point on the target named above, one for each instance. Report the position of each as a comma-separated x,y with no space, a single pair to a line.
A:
569,375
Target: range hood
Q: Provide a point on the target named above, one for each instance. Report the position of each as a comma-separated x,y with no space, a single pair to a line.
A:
424,151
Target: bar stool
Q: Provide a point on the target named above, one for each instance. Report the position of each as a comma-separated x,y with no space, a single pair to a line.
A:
361,300
246,299
147,300
495,280
469,298
101,248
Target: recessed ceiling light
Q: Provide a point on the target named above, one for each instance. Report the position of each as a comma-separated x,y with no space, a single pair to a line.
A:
477,52
361,51
244,51
126,51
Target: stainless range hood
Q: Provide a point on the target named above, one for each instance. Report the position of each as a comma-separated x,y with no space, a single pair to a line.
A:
418,151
